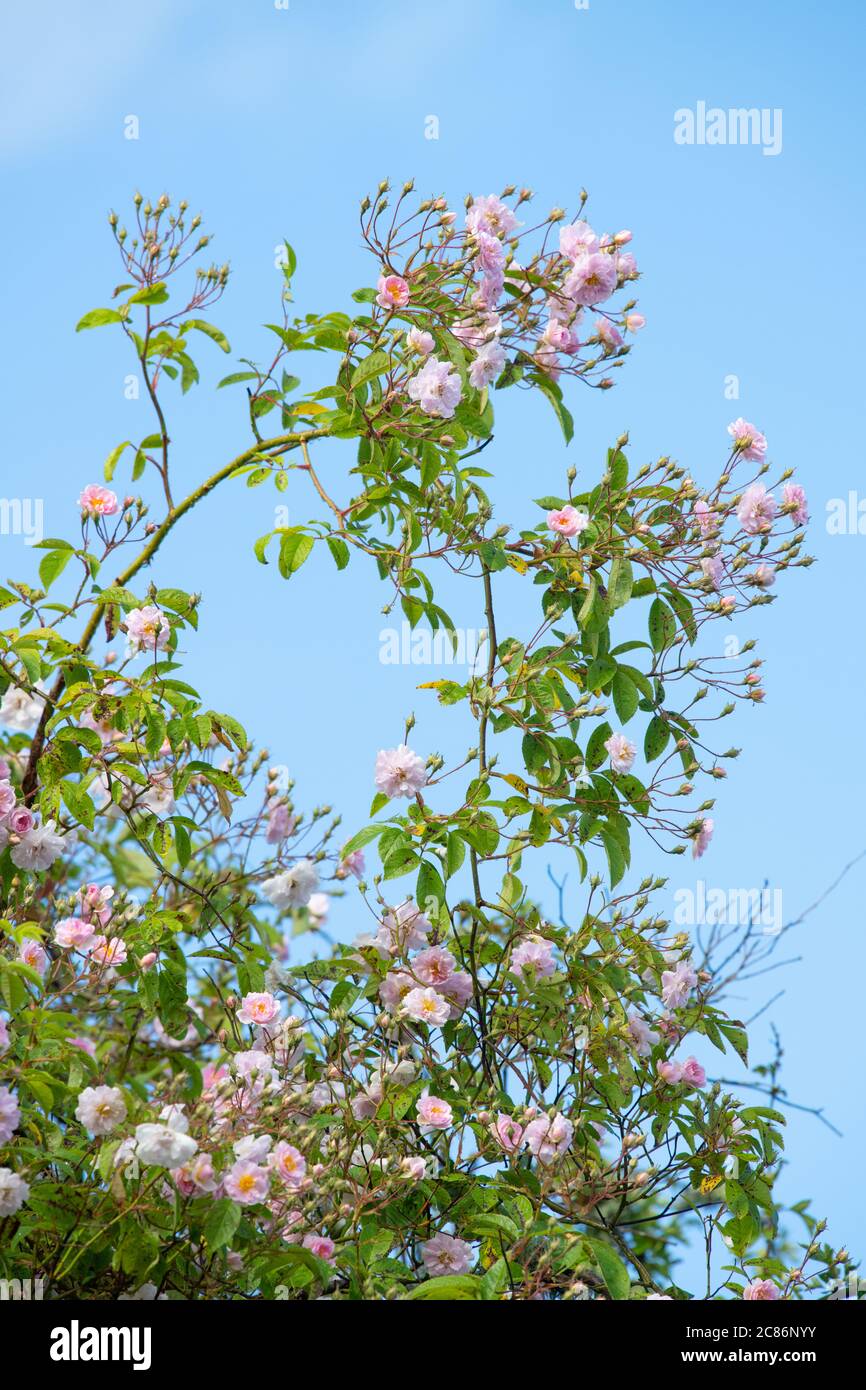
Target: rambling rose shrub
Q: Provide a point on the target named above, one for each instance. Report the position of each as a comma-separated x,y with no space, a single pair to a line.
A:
470,1100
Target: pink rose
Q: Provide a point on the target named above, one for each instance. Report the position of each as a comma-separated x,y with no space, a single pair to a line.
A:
568,521
96,501
393,292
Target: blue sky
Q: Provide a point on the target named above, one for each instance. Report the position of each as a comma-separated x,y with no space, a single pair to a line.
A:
275,123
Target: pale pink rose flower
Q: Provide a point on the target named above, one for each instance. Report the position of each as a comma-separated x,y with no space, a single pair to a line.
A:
608,334
433,966
474,332
20,710
404,928
288,1163
246,1182
8,798
678,984
322,1246
491,253
567,521
489,214
96,501
592,279
213,1075
280,822
393,292
671,1072
20,821
394,988
626,267
458,990
706,518
446,1254
293,887
487,365
561,337
109,951
577,240
748,440
436,388
764,576
761,1291
693,1073
39,848
196,1177
644,1037
352,864
148,961
420,341
10,1114
507,1133
319,906
100,1108
74,934
95,902
426,1006
703,837
756,510
622,238
635,322
794,496
713,569
532,959
399,771
33,955
147,629
14,1192
433,1113
548,1137
413,1168
253,1148
622,752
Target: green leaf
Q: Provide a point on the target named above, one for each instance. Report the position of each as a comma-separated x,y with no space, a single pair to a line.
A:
79,803
202,326
662,626
52,565
453,1287
97,317
111,462
150,294
595,749
339,550
553,393
375,365
613,1271
656,738
295,548
625,696
222,1221
429,886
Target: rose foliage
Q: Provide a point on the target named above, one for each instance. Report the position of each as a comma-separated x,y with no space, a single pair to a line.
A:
470,1100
